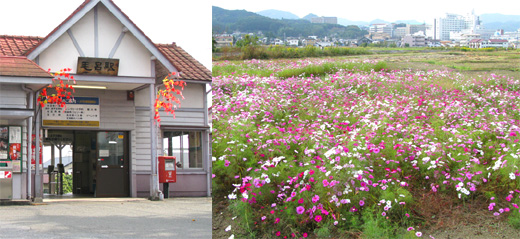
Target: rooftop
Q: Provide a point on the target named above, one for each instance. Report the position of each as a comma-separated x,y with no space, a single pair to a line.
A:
21,66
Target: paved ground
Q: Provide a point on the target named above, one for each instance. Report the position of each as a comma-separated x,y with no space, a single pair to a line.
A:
109,218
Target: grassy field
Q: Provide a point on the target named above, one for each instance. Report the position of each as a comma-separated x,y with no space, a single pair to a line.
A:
336,148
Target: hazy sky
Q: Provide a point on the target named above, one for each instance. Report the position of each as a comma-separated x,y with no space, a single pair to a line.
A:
422,11
188,23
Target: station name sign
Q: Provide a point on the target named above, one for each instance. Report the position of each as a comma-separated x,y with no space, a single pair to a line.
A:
80,112
98,66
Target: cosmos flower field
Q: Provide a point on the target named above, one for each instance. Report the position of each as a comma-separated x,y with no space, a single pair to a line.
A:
352,151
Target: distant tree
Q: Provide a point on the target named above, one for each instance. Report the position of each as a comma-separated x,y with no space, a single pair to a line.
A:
247,40
213,44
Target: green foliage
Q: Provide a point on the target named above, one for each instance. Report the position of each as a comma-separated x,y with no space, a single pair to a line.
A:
247,40
277,52
67,183
243,21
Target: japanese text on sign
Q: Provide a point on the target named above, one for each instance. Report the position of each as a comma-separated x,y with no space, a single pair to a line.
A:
80,112
98,66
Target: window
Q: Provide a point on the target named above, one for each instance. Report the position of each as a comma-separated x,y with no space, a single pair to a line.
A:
186,146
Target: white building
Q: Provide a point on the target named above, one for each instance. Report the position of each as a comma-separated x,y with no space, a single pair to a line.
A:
455,23
381,28
417,39
292,42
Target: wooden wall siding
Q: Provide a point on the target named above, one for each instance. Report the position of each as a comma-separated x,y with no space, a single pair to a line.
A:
12,96
116,113
183,118
141,162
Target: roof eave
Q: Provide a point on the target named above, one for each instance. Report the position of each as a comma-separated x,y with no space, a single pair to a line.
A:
62,28
138,34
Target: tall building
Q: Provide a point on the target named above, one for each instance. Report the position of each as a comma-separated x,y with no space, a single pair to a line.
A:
456,23
382,28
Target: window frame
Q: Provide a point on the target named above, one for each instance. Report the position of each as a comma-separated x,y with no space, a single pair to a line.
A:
164,151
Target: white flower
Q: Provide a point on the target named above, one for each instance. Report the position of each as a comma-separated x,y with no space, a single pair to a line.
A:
232,196
228,228
232,237
512,176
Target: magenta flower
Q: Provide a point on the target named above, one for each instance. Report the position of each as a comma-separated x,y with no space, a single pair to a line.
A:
300,209
300,201
318,218
227,163
315,199
277,220
325,183
361,202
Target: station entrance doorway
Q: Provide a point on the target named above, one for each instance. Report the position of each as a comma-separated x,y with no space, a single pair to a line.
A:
100,162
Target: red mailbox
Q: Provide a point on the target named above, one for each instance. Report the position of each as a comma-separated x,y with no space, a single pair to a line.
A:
167,169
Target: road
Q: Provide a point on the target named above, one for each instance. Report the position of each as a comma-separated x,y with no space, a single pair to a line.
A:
112,218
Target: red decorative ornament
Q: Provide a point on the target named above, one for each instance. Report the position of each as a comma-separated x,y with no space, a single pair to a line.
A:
166,97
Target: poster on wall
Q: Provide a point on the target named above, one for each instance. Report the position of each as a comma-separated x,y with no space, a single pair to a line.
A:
15,135
33,161
4,143
15,147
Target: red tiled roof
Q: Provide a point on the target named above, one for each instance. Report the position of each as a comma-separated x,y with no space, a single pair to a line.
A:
190,68
17,45
20,66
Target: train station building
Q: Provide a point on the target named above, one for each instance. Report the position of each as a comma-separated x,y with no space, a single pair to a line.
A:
109,124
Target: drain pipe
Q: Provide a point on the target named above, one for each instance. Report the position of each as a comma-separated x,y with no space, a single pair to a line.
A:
29,123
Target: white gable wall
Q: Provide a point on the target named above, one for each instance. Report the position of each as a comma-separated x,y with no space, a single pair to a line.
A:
109,30
61,54
134,58
83,32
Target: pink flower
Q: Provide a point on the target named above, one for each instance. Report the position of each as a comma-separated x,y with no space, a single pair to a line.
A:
227,163
304,234
278,233
300,209
512,134
491,205
277,220
318,218
300,201
315,199
411,229
361,203
418,234
325,183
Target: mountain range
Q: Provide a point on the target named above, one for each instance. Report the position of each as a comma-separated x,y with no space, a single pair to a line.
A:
229,21
490,21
